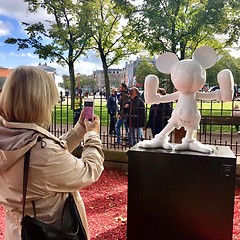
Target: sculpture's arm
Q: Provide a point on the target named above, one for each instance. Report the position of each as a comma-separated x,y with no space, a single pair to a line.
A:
226,84
209,95
150,92
169,97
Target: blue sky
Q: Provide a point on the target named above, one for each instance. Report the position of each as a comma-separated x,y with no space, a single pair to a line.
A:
12,13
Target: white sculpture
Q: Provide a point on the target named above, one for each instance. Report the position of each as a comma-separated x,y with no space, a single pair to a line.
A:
188,76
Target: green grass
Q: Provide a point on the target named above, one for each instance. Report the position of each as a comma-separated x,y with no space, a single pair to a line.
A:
64,114
215,108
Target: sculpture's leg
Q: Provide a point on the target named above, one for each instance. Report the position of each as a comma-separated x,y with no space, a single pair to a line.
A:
190,143
160,140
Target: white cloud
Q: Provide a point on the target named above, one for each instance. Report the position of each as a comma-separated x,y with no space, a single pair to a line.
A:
29,55
16,6
85,67
18,9
4,28
60,70
82,67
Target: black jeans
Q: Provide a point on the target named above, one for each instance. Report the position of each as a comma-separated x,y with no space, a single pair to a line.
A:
112,123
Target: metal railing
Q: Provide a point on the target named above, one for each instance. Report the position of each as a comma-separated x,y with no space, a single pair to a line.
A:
216,127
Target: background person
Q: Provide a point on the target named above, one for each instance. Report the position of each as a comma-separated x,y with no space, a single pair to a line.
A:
136,117
159,115
123,99
26,103
236,113
112,107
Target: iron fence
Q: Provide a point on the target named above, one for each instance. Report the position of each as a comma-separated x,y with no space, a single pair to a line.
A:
217,126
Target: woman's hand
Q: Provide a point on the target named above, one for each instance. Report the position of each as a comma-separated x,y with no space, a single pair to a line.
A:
81,119
90,126
94,125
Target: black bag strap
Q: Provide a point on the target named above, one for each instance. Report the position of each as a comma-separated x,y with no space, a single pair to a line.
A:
47,227
25,178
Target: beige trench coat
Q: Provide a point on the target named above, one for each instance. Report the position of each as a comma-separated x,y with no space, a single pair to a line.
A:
53,171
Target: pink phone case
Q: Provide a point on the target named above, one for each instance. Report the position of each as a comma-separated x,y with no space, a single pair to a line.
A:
88,113
88,110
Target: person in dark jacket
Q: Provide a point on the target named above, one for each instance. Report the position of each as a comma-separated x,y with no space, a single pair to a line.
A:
136,117
123,100
159,115
112,107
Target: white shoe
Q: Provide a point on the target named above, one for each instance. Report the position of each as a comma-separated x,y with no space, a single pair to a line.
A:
156,143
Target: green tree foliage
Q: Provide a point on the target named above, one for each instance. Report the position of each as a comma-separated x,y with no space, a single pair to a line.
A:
113,38
87,82
82,81
64,38
226,62
182,25
145,68
232,25
66,81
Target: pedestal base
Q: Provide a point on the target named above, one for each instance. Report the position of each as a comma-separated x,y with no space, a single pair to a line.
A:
180,195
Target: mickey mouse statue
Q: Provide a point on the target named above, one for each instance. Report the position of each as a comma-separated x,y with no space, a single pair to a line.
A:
188,77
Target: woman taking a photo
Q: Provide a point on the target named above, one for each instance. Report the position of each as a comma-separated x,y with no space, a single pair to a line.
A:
26,103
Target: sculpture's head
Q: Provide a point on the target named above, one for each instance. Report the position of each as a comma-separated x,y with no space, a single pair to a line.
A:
187,75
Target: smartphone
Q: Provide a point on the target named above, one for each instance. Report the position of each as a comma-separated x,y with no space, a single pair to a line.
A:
88,108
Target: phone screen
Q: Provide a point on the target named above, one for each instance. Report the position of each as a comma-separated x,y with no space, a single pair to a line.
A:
88,110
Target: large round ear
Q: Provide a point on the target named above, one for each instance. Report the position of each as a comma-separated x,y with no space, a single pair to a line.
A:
205,56
165,62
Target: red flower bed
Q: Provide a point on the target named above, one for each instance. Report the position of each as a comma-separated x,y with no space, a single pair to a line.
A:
236,219
106,206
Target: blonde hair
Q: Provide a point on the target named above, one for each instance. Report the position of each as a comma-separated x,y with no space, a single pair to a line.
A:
113,90
29,95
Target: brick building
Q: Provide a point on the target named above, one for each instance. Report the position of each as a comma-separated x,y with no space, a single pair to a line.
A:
4,72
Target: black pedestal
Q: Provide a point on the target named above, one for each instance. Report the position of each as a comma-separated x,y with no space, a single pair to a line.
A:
180,195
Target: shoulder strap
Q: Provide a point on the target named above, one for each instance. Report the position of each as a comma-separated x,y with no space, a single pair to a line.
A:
25,178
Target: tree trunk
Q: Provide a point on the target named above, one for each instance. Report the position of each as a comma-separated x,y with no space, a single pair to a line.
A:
106,79
105,73
72,84
182,50
171,87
